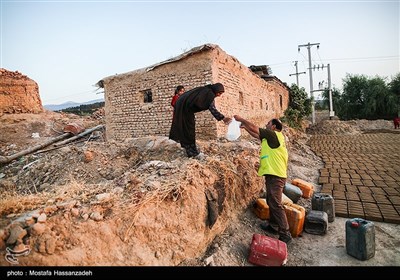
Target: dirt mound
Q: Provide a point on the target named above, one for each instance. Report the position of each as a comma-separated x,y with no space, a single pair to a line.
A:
371,124
143,202
330,127
78,202
353,127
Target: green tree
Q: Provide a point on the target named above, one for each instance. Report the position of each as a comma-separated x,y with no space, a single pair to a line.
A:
84,110
353,96
376,97
367,98
394,89
299,106
336,100
321,105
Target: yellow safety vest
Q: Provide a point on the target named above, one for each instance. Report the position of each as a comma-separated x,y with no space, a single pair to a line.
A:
273,161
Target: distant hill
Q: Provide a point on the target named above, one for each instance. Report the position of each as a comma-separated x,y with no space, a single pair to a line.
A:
70,104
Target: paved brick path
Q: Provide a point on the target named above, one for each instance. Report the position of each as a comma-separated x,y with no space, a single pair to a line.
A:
362,173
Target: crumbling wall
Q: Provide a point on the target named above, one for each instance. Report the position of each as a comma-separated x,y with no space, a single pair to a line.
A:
18,93
246,93
130,115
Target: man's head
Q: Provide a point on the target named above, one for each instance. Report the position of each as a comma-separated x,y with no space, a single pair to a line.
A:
218,89
274,124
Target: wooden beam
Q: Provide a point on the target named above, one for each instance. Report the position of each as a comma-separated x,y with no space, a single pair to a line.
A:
7,159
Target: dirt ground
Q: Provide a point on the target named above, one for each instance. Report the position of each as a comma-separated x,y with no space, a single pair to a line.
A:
232,247
142,202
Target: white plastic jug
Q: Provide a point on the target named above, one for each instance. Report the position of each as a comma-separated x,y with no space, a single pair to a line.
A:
233,130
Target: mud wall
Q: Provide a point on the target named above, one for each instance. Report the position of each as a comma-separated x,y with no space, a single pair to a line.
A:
18,93
129,113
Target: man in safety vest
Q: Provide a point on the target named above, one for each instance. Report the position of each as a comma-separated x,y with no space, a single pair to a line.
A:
273,166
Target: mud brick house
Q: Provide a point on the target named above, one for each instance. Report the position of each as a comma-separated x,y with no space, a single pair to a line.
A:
137,103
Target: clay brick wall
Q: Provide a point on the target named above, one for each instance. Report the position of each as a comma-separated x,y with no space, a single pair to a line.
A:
18,93
127,115
246,94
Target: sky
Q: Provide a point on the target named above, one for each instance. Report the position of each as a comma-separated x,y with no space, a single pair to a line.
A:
68,46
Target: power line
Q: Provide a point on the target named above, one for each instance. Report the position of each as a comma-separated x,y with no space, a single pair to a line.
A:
381,58
377,58
75,94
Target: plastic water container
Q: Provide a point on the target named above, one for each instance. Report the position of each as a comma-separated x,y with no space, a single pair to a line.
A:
292,191
324,202
295,215
360,238
267,251
316,222
286,200
261,209
306,187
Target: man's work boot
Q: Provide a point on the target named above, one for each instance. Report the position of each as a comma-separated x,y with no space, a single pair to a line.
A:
269,228
286,238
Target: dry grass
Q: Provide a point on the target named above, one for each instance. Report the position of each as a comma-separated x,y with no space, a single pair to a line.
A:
129,208
82,192
14,203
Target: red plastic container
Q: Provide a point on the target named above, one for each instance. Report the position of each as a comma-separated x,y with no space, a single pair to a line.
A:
267,251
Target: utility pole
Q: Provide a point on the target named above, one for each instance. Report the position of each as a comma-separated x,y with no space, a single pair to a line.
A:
331,112
297,74
311,81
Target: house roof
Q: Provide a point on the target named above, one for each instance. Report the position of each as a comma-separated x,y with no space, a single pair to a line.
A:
185,54
275,78
192,51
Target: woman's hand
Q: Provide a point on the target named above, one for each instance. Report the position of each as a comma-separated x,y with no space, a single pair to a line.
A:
227,120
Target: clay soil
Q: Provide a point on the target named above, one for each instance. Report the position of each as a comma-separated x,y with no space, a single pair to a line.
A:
142,202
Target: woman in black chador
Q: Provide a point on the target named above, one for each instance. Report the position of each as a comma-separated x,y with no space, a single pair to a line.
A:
193,101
